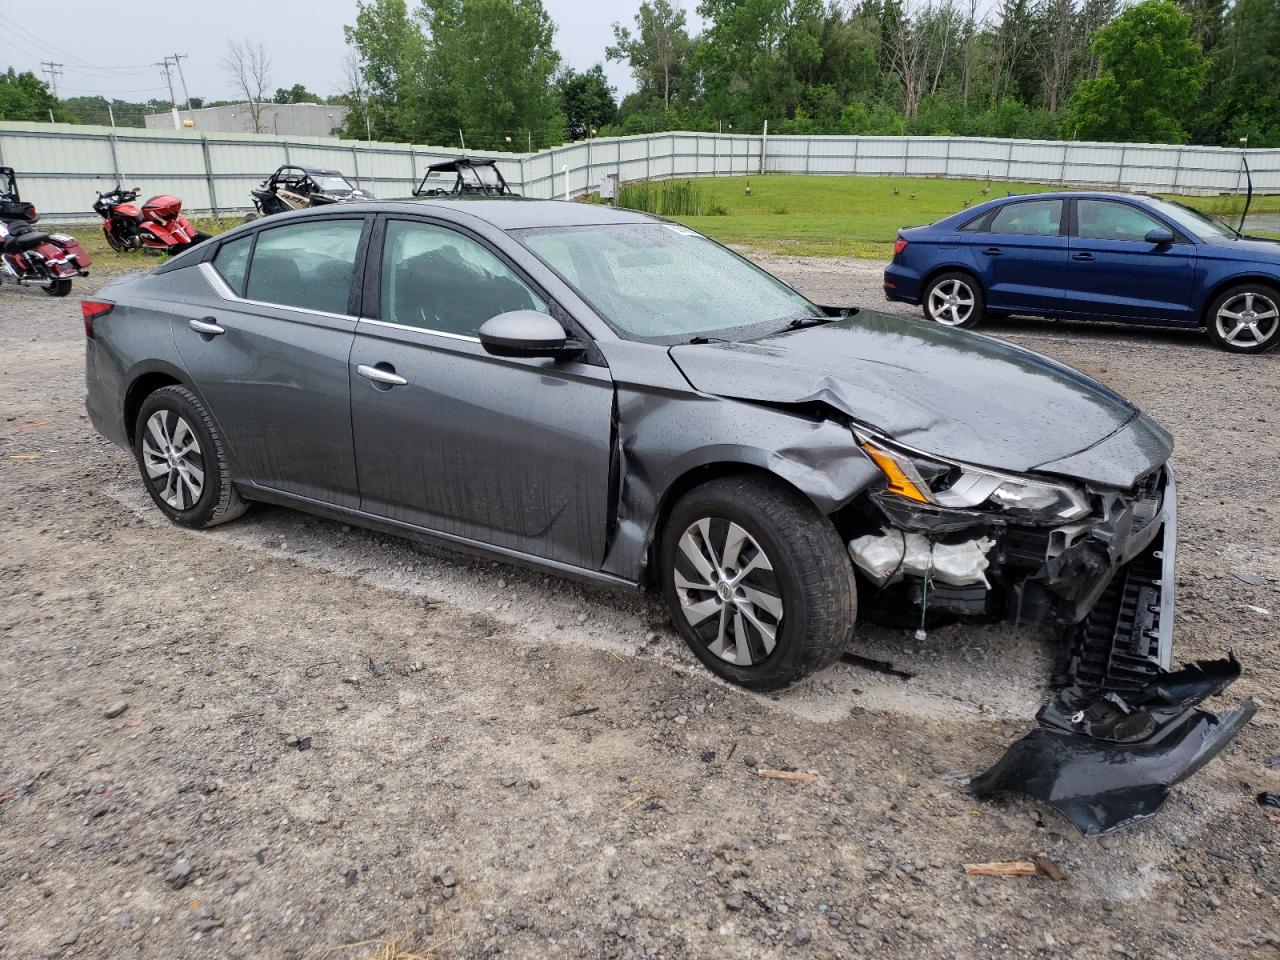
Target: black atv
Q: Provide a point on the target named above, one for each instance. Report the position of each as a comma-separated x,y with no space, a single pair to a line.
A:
293,188
12,206
465,176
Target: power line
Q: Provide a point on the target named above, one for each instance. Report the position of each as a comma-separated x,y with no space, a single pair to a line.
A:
83,64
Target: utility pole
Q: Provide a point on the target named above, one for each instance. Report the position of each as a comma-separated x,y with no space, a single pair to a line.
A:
53,71
177,62
173,100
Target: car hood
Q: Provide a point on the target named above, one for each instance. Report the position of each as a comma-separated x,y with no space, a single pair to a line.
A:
1246,248
948,392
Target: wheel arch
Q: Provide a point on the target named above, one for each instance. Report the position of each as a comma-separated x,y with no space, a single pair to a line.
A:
825,501
682,484
935,272
144,382
1223,285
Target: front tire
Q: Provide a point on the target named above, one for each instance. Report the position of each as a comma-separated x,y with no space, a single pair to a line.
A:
182,458
1245,318
59,288
757,582
953,299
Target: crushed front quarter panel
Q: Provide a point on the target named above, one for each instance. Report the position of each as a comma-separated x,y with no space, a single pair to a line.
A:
664,433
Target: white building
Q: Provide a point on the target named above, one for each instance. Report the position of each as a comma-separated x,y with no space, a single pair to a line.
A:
287,119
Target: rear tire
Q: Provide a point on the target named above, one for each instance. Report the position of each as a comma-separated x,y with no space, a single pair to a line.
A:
953,299
59,288
1245,318
182,458
757,582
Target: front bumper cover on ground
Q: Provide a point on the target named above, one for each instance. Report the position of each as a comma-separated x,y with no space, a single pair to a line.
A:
1107,760
1112,744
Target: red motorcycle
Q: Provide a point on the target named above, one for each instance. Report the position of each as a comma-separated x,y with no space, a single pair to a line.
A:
158,225
29,257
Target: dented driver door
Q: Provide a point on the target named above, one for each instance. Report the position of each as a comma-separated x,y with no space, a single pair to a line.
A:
512,453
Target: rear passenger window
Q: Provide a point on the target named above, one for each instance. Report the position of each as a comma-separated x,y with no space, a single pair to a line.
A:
1035,218
306,265
232,262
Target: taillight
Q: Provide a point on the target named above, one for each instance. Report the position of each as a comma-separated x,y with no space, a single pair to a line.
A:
91,310
34,216
898,246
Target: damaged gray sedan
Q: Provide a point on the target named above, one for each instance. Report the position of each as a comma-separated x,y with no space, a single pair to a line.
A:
612,397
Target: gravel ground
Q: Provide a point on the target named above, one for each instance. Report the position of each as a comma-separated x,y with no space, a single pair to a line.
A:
286,735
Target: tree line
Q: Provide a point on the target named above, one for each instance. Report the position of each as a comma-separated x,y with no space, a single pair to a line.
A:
487,74
1202,71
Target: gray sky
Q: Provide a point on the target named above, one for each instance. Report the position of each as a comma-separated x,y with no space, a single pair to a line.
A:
304,38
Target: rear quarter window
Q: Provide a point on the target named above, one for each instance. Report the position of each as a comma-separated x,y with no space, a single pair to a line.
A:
232,262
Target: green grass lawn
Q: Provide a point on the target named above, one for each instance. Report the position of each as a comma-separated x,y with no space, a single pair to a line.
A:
796,215
860,216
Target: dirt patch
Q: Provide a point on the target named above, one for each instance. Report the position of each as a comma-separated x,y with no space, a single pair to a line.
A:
329,735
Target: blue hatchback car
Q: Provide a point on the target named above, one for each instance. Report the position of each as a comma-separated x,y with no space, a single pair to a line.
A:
1117,257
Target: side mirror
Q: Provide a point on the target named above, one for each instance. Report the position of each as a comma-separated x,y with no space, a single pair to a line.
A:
526,333
1160,236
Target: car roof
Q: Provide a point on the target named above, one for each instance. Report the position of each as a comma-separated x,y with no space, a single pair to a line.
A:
518,213
1078,194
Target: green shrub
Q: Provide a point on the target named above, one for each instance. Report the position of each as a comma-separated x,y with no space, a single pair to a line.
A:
667,198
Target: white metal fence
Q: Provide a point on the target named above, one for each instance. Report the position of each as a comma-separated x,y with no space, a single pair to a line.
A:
60,166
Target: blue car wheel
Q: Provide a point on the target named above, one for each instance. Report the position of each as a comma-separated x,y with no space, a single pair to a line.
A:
953,299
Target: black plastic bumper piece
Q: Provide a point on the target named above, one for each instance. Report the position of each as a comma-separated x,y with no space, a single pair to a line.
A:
1106,760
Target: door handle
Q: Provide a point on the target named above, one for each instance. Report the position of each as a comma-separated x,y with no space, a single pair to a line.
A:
992,252
1082,257
206,327
382,373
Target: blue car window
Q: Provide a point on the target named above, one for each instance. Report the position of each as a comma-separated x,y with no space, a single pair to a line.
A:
1109,220
1036,218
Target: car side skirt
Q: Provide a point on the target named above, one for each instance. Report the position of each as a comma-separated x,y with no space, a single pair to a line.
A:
252,491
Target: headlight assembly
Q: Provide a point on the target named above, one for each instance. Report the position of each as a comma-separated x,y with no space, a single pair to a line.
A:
959,486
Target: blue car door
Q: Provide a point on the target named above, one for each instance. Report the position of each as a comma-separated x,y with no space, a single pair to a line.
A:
1114,271
1020,251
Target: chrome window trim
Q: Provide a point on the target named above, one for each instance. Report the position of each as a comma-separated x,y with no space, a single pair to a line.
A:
224,291
406,326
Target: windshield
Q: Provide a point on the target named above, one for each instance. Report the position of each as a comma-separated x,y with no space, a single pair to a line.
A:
484,176
1201,224
331,184
664,282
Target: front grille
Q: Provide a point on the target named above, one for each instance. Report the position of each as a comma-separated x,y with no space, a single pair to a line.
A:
1117,646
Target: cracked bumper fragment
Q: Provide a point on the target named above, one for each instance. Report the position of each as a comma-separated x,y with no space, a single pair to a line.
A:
1108,760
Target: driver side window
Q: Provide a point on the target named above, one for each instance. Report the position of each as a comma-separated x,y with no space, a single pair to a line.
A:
1110,220
439,280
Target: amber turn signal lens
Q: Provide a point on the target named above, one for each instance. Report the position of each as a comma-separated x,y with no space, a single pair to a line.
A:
899,482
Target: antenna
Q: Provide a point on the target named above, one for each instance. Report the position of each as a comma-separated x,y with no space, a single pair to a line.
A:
53,71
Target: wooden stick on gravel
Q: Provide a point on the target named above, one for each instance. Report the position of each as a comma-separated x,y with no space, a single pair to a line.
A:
793,775
1001,868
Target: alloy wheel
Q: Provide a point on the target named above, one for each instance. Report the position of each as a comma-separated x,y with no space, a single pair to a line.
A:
951,302
172,459
728,591
1248,319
